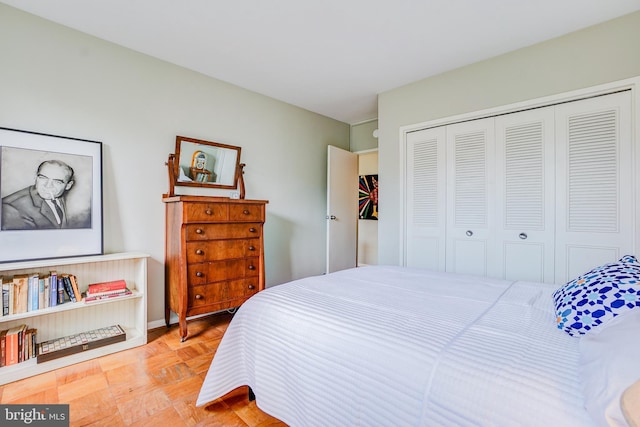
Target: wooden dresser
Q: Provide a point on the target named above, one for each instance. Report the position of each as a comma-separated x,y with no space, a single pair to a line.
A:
214,254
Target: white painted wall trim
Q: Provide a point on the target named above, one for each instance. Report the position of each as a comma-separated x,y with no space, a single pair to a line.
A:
371,150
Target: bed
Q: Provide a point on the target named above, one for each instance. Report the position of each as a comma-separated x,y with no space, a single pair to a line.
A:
395,346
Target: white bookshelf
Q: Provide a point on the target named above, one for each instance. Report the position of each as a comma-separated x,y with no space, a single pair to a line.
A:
69,318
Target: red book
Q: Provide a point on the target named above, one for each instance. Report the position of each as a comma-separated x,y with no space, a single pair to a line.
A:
115,285
3,348
12,345
91,298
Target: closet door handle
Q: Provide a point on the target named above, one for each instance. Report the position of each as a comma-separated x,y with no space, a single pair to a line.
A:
523,236
469,233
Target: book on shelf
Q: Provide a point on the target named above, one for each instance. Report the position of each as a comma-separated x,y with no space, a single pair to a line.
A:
20,293
114,285
67,288
12,345
12,290
5,296
100,294
46,297
41,303
29,346
53,289
3,347
17,345
75,287
21,343
32,297
118,294
25,345
60,290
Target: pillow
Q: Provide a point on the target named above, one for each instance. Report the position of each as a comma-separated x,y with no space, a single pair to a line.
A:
609,366
630,404
598,296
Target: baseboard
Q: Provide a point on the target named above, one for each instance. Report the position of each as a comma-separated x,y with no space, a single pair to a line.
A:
173,319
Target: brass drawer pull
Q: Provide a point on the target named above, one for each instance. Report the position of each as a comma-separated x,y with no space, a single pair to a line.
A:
199,274
209,212
252,248
251,267
199,231
246,212
252,230
251,287
199,252
198,296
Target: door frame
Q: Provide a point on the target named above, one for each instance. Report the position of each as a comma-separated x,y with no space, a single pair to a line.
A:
632,84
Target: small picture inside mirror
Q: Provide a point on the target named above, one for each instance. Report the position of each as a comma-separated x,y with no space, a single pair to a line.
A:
206,163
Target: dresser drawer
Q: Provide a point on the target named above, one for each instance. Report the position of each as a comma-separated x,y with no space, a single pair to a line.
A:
205,212
208,272
246,212
242,288
216,250
207,294
215,293
222,231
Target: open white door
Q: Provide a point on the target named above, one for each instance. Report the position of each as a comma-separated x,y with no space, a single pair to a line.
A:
342,209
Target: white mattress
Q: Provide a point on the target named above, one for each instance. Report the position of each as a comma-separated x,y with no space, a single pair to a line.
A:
391,346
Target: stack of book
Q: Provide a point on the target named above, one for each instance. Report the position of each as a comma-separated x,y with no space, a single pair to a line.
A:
34,291
17,344
106,290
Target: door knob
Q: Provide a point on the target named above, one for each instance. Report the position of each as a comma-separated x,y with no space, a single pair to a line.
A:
331,217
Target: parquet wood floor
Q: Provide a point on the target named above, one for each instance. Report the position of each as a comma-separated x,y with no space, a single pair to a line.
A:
153,385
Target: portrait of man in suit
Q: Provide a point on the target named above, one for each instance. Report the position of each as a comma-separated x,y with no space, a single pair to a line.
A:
43,205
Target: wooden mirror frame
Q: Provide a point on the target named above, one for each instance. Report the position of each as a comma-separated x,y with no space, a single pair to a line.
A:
221,167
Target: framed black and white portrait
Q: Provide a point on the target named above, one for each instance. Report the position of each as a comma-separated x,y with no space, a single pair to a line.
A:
51,191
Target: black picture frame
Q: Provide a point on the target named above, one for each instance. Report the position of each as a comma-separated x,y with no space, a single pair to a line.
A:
34,166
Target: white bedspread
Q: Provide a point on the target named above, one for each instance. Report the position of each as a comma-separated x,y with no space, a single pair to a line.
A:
391,346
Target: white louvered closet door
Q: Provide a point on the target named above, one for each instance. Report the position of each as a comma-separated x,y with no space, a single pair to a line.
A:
470,192
595,183
525,200
425,199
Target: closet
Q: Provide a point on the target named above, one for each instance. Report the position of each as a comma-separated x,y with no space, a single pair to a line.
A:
540,195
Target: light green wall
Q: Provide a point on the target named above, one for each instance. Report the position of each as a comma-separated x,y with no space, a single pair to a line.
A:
362,138
600,54
59,81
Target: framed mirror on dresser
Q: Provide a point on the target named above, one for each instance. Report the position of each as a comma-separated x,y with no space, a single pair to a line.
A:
214,245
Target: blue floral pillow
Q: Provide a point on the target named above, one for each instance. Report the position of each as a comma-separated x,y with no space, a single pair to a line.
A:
588,301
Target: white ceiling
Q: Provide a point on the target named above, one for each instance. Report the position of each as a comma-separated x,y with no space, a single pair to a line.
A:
332,56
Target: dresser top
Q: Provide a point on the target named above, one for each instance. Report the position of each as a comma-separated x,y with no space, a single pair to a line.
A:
208,199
